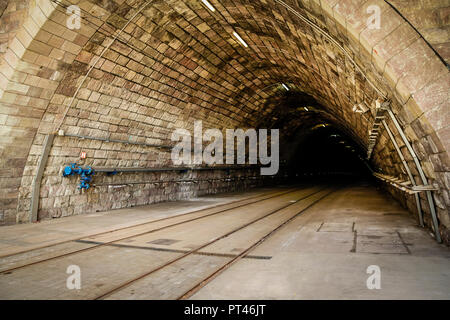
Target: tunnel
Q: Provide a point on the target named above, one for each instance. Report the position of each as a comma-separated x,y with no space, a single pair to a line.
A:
352,95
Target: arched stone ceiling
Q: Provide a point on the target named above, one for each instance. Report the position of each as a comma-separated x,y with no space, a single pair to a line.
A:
431,19
136,70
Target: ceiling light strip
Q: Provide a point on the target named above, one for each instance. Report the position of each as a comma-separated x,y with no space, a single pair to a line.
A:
240,39
209,5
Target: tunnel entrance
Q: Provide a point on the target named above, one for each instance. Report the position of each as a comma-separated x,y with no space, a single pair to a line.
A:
314,141
328,152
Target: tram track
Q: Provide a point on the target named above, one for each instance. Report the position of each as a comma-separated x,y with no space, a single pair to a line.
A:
191,291
139,224
221,209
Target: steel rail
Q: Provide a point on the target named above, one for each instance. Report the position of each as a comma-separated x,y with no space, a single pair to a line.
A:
244,253
140,224
170,262
141,233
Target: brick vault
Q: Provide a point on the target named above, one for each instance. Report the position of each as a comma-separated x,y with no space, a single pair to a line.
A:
136,70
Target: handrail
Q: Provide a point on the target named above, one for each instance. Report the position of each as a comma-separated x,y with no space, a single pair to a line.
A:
404,185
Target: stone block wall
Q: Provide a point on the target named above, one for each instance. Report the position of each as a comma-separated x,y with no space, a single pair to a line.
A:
59,196
136,71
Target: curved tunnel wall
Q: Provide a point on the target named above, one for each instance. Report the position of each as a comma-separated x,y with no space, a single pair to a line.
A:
136,70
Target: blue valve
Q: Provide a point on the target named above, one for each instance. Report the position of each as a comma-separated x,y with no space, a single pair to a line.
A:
72,169
84,182
89,171
67,171
86,174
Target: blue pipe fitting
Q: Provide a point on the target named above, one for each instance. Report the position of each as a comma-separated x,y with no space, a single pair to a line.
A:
84,181
86,174
72,169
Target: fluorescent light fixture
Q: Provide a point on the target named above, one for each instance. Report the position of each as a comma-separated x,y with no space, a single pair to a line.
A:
306,109
240,39
318,126
285,86
209,5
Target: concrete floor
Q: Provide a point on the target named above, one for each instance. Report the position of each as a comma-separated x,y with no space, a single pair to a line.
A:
16,238
324,254
321,254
